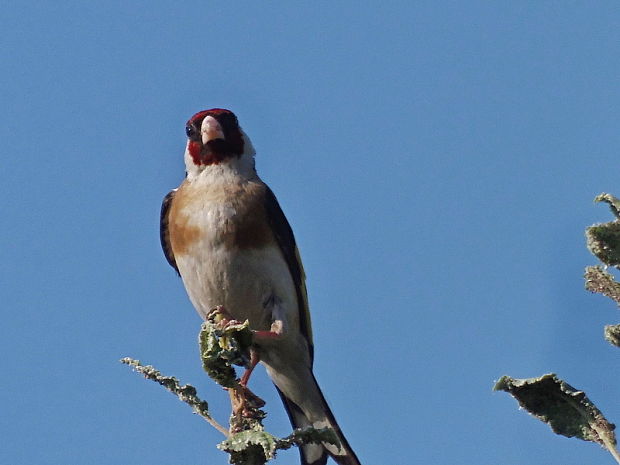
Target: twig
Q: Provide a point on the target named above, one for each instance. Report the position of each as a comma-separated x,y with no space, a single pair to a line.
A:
609,445
186,393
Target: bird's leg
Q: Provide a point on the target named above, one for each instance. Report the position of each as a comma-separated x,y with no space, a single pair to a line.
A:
273,305
245,401
246,404
275,332
237,400
254,359
277,322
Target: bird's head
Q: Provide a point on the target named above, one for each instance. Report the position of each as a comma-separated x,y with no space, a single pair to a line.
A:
214,136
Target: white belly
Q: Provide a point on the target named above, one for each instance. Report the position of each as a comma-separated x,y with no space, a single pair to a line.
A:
243,281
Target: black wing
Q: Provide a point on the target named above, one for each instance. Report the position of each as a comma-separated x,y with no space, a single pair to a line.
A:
164,234
286,240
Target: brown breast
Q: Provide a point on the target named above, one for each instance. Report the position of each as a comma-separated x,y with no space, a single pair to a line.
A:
246,227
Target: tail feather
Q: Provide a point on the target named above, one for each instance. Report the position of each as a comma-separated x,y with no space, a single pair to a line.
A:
317,454
311,454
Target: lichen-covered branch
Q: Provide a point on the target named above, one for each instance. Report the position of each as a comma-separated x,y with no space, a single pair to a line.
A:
307,436
612,334
266,445
225,343
613,202
600,281
603,239
185,393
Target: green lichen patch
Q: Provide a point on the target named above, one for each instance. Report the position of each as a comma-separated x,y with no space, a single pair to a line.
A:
222,345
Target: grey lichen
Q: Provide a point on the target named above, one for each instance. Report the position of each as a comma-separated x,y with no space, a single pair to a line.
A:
309,435
603,239
249,447
185,393
244,446
613,202
612,334
602,282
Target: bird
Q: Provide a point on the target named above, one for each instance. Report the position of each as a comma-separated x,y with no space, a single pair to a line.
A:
227,237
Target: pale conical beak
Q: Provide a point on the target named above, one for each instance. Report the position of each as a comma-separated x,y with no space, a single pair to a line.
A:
210,130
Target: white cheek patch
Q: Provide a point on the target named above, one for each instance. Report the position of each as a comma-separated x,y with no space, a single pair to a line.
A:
191,168
248,148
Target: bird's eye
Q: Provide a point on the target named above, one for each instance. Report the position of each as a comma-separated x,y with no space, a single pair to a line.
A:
190,131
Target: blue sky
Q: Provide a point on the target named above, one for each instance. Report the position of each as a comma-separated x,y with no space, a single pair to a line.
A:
437,161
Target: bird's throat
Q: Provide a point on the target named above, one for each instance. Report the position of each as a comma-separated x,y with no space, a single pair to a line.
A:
203,155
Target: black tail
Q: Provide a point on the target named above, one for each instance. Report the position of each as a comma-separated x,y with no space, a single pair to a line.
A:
317,454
